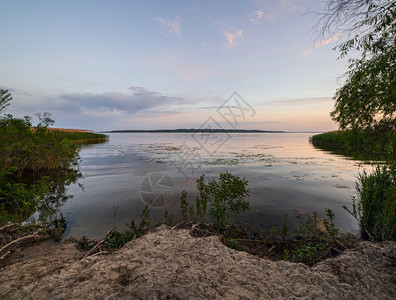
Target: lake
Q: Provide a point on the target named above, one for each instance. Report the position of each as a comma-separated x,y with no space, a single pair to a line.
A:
284,171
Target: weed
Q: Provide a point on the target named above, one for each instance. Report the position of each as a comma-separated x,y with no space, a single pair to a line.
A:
168,218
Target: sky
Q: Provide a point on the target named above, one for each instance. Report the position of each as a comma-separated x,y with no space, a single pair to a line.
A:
108,65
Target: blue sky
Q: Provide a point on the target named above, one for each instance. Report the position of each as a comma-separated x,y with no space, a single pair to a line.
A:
106,65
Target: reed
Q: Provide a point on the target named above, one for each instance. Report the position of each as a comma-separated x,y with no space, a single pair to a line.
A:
359,144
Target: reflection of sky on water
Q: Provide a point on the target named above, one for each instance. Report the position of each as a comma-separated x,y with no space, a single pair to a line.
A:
283,170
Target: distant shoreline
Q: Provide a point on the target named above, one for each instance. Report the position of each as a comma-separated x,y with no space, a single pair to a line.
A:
199,130
192,130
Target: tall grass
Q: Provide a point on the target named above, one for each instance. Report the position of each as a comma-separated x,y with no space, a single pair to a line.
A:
375,205
81,136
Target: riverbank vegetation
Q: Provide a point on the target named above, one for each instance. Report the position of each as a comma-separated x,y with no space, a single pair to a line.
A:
365,107
37,163
359,144
375,204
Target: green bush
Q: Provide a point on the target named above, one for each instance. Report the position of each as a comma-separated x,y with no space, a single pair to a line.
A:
224,195
35,166
375,205
27,148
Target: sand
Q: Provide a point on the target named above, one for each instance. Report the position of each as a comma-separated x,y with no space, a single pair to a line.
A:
171,264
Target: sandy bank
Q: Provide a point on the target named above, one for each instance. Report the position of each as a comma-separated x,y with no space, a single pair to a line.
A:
172,264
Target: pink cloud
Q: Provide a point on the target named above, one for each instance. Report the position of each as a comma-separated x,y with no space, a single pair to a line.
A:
327,41
258,15
231,37
333,38
173,26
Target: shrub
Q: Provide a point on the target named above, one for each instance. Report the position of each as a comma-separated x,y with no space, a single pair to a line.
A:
224,195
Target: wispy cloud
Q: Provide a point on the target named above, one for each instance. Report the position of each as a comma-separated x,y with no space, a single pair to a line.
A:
275,10
299,101
333,38
142,91
232,36
173,26
327,41
258,16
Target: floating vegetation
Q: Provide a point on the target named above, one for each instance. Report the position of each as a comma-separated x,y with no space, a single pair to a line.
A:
224,161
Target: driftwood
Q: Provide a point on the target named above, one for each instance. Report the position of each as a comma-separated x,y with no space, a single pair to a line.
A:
247,240
182,225
92,251
5,254
31,236
99,253
8,226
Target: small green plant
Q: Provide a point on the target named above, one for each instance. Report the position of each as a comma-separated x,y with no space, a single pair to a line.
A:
331,230
184,204
201,201
315,238
224,195
145,218
168,218
281,232
286,254
116,239
233,244
310,253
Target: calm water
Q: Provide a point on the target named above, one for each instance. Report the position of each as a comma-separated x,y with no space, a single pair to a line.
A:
285,172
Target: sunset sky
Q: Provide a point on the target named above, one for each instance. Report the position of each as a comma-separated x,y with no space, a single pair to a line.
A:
107,65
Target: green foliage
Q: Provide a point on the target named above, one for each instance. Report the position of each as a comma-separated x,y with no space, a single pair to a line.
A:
282,231
5,98
45,195
184,204
360,144
201,202
375,205
191,214
168,218
233,244
36,165
115,239
368,97
310,253
316,238
224,195
24,148
309,226
145,219
81,137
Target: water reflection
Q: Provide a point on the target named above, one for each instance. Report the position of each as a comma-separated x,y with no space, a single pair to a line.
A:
284,172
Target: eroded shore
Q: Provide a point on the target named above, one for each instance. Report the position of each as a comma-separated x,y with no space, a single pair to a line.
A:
171,264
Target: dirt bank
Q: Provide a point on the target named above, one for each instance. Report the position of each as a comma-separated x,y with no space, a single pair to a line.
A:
172,264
